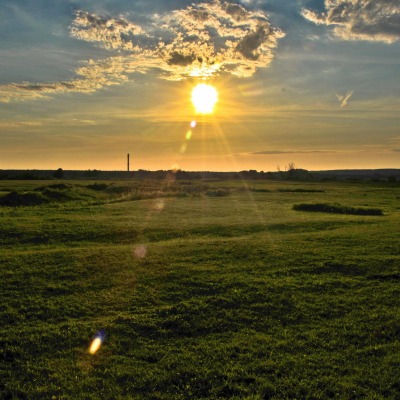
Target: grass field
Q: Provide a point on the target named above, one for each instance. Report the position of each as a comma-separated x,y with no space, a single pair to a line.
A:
204,290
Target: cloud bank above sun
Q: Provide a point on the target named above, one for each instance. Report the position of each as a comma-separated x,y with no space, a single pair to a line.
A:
372,20
202,40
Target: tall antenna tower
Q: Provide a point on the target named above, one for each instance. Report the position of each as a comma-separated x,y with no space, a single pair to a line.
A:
128,161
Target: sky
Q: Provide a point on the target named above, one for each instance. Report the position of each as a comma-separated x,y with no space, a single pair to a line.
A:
310,82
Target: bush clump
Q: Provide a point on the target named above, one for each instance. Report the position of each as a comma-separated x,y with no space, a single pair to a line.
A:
98,186
301,190
58,186
15,199
260,190
337,209
221,192
115,189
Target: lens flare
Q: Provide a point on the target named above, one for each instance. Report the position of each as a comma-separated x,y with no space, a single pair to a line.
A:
95,346
140,251
204,98
97,342
158,206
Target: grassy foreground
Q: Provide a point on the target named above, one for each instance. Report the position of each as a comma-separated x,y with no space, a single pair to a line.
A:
204,291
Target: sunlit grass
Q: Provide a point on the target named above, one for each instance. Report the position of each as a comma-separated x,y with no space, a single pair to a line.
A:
201,296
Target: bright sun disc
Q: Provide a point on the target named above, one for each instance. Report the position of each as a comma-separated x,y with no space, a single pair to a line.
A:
204,98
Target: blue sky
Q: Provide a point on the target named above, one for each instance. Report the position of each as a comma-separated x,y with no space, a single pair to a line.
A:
312,82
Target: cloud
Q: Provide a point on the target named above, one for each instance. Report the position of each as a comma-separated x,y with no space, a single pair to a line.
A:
271,152
92,76
202,40
198,41
373,20
111,33
18,124
345,98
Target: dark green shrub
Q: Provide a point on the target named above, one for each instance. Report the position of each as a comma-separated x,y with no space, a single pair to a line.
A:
337,209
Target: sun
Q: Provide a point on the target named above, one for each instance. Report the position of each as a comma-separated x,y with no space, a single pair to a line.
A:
204,98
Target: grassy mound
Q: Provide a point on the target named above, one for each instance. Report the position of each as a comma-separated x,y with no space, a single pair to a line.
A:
95,192
54,193
337,209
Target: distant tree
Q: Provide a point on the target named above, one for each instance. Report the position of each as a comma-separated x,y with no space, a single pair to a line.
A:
91,173
281,174
59,174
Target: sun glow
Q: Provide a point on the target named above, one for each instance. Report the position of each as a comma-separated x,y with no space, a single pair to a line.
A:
204,98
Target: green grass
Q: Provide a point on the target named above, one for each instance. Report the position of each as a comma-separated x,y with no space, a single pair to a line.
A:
201,296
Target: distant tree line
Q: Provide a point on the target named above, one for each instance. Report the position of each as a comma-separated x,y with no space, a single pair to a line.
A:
291,173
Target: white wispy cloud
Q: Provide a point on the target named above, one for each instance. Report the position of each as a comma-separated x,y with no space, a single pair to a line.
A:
373,20
202,40
19,124
91,76
344,99
271,152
